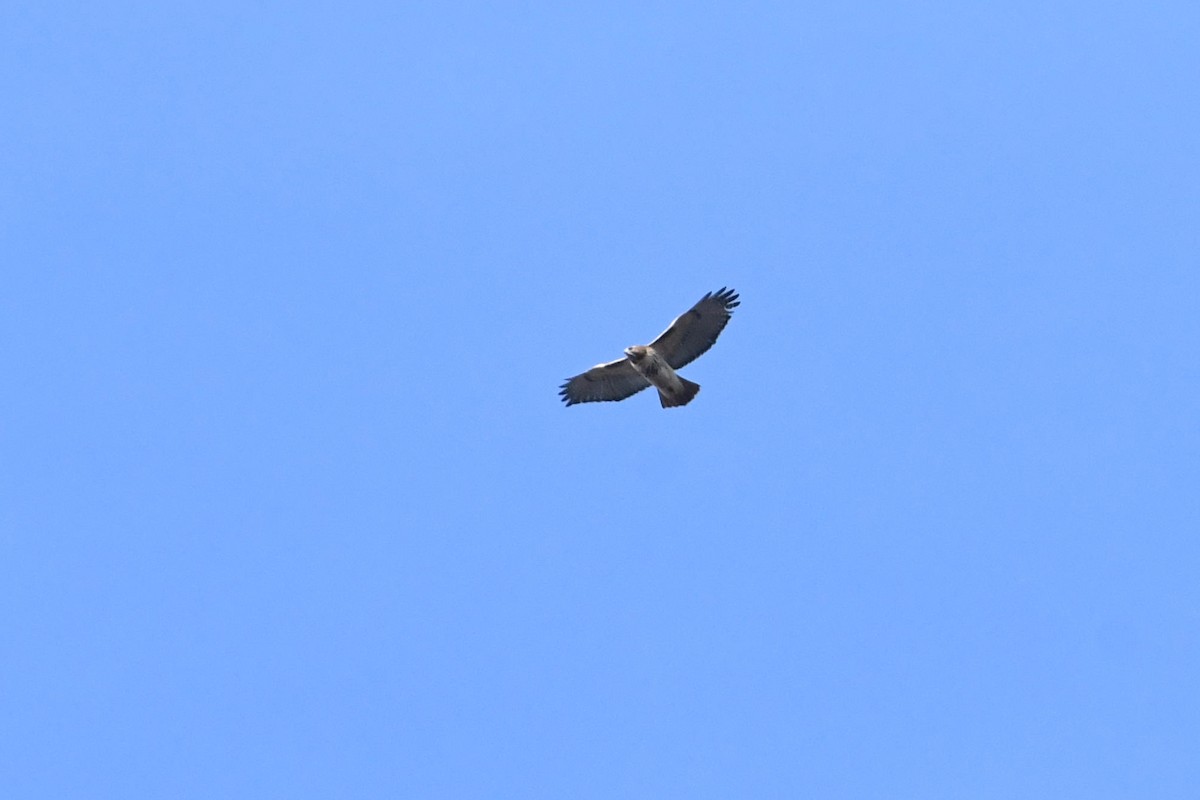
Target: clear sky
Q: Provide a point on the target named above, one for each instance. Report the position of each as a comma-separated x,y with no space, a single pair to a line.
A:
289,506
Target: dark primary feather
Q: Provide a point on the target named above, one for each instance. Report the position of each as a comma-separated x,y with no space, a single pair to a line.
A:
694,331
615,380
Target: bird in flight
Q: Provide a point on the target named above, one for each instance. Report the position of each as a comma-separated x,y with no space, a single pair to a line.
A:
654,364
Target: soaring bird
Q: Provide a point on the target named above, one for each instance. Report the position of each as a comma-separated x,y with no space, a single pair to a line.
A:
654,364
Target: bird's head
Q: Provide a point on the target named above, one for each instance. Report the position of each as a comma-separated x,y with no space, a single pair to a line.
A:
636,353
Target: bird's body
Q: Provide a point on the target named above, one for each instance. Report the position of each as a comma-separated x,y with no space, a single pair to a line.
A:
672,389
655,364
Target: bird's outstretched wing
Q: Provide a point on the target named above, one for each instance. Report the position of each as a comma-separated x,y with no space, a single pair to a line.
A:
693,332
615,380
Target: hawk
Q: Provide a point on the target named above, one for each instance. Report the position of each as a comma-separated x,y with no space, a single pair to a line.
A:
654,364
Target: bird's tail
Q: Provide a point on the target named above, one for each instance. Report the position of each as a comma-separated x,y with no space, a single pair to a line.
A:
680,397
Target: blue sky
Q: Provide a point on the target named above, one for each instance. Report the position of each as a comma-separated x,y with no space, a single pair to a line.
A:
290,506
